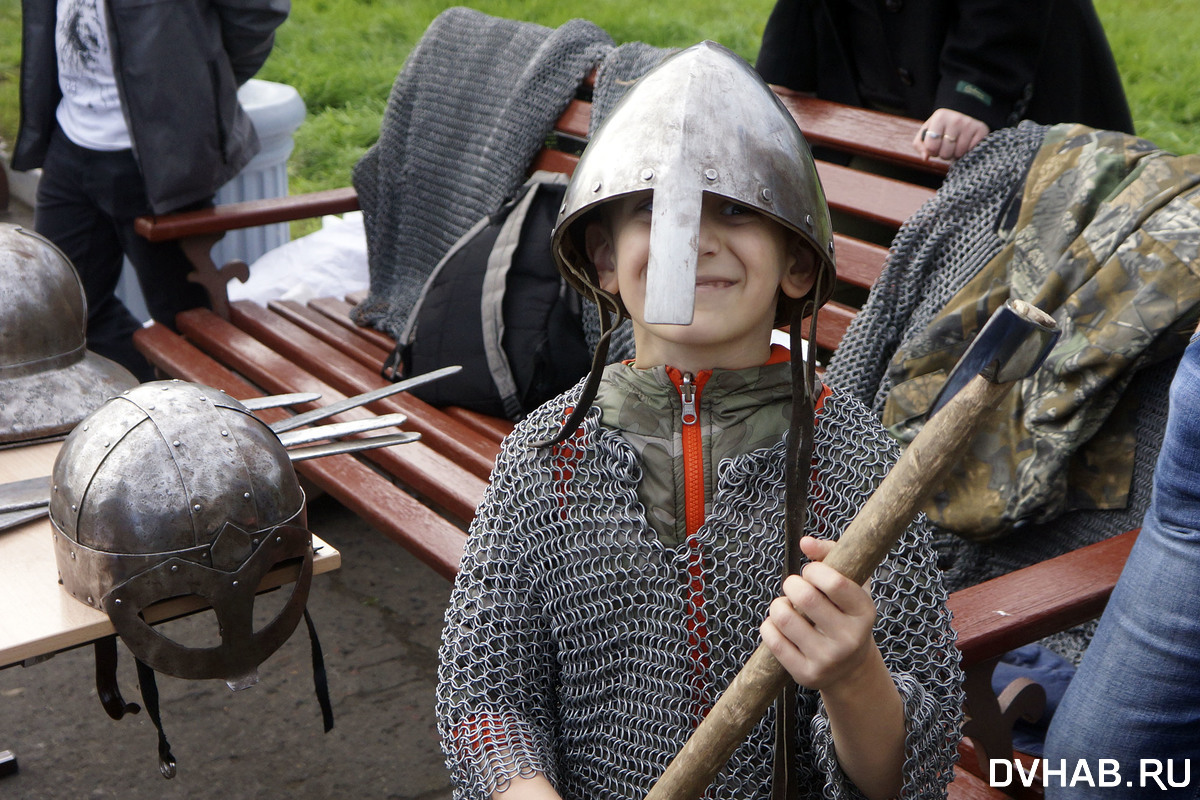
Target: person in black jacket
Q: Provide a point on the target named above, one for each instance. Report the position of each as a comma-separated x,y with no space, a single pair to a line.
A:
131,108
966,67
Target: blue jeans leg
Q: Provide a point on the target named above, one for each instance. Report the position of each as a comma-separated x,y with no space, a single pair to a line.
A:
1136,697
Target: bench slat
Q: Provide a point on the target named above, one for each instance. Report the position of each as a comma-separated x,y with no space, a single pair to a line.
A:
319,325
456,441
426,471
872,197
1021,607
338,311
859,131
247,214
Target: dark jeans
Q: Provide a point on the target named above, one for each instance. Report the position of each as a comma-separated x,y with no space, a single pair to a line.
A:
87,201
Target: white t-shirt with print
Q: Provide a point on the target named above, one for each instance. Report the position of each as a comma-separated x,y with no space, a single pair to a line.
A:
90,110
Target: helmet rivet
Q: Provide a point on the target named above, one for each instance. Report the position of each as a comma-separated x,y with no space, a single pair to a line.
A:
106,444
150,407
647,174
175,443
196,507
56,487
831,248
235,583
278,538
117,601
710,174
246,495
72,555
596,186
808,220
85,427
766,194
224,433
74,507
174,568
91,601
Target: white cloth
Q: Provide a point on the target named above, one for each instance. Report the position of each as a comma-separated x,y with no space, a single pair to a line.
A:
90,110
331,262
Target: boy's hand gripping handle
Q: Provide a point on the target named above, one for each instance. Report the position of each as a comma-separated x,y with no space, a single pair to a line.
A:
1008,348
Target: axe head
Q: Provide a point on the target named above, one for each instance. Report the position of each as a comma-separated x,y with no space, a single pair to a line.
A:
1009,347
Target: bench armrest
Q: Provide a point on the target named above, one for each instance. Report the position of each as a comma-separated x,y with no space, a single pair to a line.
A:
248,214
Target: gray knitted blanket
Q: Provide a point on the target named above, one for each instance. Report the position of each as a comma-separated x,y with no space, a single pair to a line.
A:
468,112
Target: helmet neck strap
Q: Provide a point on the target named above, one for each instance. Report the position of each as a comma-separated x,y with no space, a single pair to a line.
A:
610,317
798,468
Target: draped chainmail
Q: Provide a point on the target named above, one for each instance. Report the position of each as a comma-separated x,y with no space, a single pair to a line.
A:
470,109
566,648
935,253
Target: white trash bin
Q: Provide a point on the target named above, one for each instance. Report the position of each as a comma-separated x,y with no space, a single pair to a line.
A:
276,110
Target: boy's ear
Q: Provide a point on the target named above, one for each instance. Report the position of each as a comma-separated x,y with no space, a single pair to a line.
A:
801,273
597,240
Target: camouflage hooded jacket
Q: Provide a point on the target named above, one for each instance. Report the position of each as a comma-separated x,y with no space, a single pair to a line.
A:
1107,241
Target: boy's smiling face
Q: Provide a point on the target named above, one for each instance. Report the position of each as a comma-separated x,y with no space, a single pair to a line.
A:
745,259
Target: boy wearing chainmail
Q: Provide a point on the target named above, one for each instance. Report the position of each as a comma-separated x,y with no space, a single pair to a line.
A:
632,539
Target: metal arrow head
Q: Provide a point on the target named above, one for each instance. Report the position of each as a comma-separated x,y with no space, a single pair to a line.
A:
351,446
309,417
280,400
339,429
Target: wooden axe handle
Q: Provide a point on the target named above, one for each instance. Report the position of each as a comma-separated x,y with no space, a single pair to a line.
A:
864,544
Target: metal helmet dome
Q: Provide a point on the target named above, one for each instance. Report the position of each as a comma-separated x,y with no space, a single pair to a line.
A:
174,489
701,121
49,381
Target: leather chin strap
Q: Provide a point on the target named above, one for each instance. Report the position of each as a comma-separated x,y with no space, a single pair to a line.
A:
110,692
608,308
798,469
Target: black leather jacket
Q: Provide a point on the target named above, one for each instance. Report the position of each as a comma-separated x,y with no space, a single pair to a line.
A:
999,61
178,64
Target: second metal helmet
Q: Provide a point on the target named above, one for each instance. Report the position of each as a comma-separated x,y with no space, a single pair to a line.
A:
49,381
175,489
701,121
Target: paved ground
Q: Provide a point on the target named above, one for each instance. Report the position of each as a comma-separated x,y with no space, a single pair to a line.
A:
379,620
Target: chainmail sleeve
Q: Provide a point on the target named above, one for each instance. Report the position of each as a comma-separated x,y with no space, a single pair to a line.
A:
568,648
496,715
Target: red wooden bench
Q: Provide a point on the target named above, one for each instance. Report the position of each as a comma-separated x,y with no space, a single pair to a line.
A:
424,495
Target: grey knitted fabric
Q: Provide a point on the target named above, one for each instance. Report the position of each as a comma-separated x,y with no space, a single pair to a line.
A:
467,114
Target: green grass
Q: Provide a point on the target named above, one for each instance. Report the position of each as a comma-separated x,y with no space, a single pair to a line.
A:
342,56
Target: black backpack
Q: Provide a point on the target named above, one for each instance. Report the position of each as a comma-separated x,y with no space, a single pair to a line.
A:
496,305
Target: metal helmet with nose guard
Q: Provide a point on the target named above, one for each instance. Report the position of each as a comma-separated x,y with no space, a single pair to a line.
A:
702,121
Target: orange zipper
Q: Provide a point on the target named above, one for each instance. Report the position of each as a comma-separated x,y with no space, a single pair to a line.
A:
689,388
